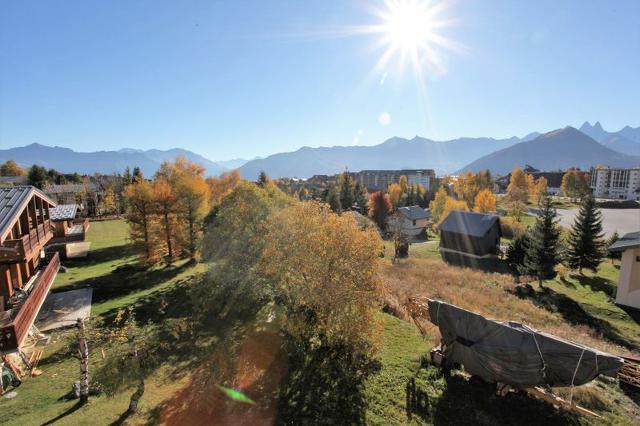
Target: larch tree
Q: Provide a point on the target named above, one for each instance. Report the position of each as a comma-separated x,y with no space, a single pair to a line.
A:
222,185
165,205
586,244
518,189
379,208
485,202
141,219
543,246
451,205
438,203
395,194
540,189
11,168
192,194
574,184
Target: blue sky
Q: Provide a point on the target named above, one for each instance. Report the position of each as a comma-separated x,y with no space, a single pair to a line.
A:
250,78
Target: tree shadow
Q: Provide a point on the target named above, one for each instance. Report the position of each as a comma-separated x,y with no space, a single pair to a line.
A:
324,384
75,407
101,255
121,282
489,265
596,283
573,313
464,402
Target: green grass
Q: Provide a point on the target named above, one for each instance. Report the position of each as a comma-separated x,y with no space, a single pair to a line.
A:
37,399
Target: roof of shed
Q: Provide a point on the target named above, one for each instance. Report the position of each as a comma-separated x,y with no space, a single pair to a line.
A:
63,212
12,201
414,212
468,223
627,241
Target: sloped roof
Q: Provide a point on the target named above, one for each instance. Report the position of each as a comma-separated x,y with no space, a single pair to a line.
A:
468,223
414,212
628,241
63,212
12,201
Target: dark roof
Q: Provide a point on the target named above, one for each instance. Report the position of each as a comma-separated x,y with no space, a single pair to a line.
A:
414,212
628,241
12,201
468,223
554,179
63,212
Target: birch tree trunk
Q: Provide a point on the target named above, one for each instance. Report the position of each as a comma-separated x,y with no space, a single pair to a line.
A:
84,363
135,397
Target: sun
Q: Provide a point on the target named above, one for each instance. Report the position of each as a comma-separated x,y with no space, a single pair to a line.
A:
408,32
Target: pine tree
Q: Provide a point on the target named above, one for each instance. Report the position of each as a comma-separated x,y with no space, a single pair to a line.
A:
361,197
585,240
347,197
612,239
542,250
516,252
333,199
263,178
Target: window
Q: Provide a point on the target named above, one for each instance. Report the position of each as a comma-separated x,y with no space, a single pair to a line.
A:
414,223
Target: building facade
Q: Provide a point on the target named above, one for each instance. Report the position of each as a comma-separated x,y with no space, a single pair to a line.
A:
615,183
378,180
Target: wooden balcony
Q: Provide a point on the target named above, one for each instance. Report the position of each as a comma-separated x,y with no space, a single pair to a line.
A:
16,322
27,245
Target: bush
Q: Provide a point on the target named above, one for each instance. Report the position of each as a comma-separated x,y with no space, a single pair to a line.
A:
511,229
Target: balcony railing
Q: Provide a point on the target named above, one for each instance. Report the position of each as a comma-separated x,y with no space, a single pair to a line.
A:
15,326
25,246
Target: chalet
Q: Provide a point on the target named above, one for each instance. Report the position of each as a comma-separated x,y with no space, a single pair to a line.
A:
25,275
469,236
413,220
87,195
628,293
67,225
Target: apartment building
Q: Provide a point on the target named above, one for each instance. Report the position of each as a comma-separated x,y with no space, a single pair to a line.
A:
615,183
377,180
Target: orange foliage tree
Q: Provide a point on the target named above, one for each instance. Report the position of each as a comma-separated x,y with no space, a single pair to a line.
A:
379,208
485,202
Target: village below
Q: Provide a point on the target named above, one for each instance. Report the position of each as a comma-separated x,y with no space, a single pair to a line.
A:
378,297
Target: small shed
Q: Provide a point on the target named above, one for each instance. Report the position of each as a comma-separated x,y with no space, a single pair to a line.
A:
628,293
470,234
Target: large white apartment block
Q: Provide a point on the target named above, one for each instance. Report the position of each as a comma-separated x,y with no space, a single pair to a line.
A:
622,184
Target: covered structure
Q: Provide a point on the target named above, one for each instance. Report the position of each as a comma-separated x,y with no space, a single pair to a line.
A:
512,353
469,236
628,293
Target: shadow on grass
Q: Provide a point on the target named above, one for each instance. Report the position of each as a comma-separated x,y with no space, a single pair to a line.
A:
573,313
490,265
75,407
324,384
465,403
597,284
102,255
120,283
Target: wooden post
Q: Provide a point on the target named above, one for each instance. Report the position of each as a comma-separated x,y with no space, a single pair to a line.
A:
84,363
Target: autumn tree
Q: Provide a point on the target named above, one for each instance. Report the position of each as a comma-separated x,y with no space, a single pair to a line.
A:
137,175
325,271
518,189
361,197
109,202
451,205
437,205
395,194
164,198
379,208
540,189
404,184
192,193
141,219
222,185
11,168
332,198
574,184
485,202
263,178
586,244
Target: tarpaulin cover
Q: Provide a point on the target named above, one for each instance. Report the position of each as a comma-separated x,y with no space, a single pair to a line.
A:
512,353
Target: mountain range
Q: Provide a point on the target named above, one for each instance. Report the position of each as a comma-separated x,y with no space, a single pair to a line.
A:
68,161
556,150
559,149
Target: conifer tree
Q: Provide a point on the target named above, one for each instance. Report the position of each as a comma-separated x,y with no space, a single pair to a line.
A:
333,199
516,252
347,197
361,197
585,240
542,249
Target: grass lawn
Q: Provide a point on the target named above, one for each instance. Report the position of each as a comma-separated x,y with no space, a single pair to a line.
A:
37,400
